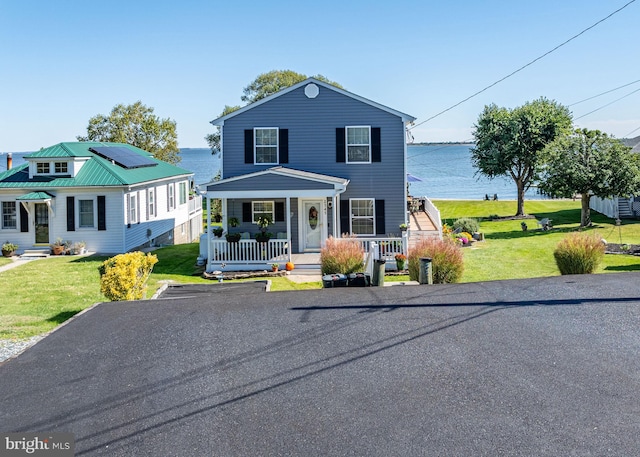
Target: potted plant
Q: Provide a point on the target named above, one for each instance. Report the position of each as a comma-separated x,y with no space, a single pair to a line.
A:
58,246
403,227
78,248
217,231
233,237
401,260
263,237
9,249
275,266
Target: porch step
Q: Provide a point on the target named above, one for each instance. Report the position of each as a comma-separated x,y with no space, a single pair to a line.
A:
624,210
35,253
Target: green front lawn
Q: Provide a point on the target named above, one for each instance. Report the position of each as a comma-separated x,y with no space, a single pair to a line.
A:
510,253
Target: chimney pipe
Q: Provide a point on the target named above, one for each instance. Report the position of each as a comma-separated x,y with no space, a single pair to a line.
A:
9,160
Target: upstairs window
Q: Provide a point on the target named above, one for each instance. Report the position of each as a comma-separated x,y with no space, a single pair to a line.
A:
170,197
266,146
61,167
358,144
42,168
183,193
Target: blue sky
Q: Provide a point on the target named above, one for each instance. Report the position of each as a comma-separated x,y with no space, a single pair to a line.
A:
62,62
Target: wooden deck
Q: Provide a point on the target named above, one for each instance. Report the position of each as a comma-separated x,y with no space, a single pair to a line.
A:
421,226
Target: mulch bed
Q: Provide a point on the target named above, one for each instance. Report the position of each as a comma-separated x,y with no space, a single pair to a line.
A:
630,249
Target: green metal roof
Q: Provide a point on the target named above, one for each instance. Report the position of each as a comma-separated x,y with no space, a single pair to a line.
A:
35,196
96,171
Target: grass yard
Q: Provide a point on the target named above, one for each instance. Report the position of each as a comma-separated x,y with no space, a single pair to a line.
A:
510,253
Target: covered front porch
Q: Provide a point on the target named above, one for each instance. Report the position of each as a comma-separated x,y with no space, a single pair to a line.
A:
302,207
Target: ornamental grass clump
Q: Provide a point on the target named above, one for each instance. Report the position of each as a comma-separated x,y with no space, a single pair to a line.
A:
124,277
466,224
344,255
447,261
579,253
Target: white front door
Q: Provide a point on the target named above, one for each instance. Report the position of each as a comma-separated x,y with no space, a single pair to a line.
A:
313,225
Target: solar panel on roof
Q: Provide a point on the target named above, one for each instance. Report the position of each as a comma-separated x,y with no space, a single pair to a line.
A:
124,157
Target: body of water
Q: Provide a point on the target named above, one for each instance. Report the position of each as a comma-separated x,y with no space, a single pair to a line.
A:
445,170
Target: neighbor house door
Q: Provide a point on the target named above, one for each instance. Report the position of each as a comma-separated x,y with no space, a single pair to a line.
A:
313,224
42,223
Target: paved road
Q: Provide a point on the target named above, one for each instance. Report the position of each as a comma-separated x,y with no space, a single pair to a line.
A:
541,367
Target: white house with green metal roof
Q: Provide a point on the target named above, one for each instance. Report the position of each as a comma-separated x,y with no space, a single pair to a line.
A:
113,196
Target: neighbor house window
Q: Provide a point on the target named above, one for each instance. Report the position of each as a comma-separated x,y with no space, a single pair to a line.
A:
9,215
151,201
266,145
133,209
60,167
183,193
362,216
42,167
358,144
262,209
171,196
86,213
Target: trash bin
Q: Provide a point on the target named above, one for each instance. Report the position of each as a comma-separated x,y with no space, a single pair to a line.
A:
378,273
359,280
334,280
425,275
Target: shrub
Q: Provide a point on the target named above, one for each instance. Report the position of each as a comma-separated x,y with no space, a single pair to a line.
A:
124,277
343,255
447,260
579,253
466,224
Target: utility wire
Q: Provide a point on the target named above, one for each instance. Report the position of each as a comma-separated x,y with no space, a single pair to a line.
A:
633,131
523,67
604,106
603,93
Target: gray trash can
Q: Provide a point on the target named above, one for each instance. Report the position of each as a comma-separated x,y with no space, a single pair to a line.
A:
378,273
425,275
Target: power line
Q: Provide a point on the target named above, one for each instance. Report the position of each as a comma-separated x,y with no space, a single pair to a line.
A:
633,131
524,66
603,93
604,106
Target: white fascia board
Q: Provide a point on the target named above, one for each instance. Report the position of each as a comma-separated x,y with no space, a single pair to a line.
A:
262,194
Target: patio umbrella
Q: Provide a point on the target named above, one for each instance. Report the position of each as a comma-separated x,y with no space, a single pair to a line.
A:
413,178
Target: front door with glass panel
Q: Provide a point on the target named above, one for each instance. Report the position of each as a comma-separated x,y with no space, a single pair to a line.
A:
313,225
42,223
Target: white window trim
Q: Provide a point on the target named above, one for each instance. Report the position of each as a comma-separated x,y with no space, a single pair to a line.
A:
152,208
171,196
54,172
43,172
95,214
352,217
16,215
346,142
183,185
255,146
134,215
253,210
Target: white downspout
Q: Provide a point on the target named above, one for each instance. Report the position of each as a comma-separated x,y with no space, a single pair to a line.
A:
289,216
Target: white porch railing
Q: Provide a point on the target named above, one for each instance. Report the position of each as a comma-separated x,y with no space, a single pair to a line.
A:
385,248
434,213
247,253
195,204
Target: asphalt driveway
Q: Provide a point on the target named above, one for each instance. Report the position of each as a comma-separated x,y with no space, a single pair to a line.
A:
541,367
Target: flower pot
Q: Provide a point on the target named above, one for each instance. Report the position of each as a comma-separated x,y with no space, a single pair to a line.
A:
400,265
57,250
8,253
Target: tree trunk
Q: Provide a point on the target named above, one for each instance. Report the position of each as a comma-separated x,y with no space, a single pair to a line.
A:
520,186
585,216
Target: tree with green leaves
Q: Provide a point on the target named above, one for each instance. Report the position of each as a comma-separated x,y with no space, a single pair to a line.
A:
509,142
263,86
138,126
589,163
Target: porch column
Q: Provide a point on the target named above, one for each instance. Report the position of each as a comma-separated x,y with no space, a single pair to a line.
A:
288,217
208,269
334,214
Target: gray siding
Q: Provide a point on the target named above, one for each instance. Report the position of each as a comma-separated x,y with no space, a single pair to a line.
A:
311,125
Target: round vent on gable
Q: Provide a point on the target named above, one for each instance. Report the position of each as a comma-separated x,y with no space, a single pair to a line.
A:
311,90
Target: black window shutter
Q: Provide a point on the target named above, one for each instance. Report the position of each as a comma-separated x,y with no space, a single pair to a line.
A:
344,216
376,149
102,213
24,218
71,214
341,154
248,146
380,224
246,212
279,210
283,140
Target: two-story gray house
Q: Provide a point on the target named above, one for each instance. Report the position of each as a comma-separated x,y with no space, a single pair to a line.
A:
318,161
